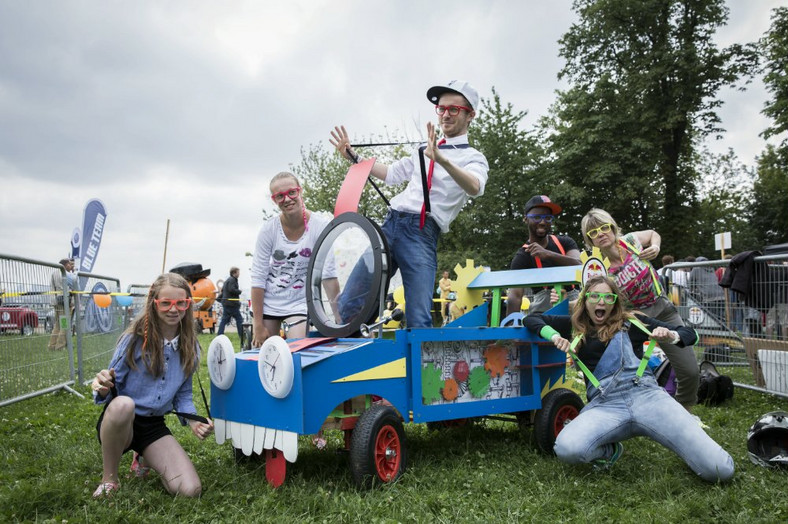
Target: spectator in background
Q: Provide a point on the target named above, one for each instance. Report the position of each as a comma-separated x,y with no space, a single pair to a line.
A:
777,316
680,276
231,304
664,277
57,340
735,307
705,288
721,270
444,284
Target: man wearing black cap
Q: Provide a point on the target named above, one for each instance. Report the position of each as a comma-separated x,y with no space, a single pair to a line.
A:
543,249
441,176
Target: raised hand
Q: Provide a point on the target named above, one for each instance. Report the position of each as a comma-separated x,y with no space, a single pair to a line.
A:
341,141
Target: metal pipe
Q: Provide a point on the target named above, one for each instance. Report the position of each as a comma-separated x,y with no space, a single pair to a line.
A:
367,329
287,325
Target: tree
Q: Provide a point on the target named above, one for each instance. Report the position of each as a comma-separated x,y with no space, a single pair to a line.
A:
774,48
725,197
644,77
769,211
322,173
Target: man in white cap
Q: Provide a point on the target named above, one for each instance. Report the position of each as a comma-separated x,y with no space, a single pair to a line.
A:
437,188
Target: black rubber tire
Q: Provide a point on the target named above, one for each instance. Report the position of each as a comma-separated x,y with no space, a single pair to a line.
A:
559,407
378,433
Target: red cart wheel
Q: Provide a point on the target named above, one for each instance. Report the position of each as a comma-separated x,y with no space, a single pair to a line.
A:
377,450
559,407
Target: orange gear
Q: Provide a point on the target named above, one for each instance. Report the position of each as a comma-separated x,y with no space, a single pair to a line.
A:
496,360
450,389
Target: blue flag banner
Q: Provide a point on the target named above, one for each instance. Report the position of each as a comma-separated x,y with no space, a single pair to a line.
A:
76,242
93,221
97,319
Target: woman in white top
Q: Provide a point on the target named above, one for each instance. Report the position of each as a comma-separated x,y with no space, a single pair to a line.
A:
281,258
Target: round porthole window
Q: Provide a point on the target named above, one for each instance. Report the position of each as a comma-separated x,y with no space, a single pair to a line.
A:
347,274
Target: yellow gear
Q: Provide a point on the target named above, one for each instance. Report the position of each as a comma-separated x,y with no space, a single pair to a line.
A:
467,299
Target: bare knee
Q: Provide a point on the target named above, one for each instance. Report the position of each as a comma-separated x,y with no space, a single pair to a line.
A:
121,408
185,487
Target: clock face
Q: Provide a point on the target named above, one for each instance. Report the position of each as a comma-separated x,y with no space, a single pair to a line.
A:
275,367
221,362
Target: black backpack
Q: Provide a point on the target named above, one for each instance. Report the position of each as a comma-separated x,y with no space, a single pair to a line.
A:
714,389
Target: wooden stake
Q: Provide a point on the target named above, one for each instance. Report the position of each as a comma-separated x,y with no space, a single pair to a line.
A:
166,239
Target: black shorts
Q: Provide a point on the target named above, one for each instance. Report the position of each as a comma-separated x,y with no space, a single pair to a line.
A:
281,318
145,432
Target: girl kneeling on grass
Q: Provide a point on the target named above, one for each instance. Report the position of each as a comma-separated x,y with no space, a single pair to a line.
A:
149,375
624,402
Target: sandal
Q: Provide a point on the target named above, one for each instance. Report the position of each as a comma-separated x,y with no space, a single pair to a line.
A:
106,489
137,469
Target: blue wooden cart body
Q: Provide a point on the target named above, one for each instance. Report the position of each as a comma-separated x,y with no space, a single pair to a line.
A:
332,372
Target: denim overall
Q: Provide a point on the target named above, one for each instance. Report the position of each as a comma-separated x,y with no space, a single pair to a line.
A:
626,406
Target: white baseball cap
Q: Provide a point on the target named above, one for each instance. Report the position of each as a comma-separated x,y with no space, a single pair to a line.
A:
460,87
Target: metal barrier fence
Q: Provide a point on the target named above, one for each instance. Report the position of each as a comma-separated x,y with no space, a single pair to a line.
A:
744,333
138,293
98,321
51,339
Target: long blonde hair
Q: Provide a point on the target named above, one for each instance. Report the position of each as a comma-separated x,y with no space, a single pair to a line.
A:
147,326
583,325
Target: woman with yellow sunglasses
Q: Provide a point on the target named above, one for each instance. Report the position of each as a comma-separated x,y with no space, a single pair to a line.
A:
624,399
629,255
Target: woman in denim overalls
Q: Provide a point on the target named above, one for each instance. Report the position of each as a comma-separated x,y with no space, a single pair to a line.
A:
625,405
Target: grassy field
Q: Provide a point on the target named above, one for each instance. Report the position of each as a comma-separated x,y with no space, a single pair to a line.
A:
50,463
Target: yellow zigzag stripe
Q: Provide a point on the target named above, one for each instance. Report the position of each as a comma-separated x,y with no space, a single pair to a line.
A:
395,369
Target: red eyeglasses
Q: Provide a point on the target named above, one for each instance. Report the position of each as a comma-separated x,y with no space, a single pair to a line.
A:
292,194
453,110
166,304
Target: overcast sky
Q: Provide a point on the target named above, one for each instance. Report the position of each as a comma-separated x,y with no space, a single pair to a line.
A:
184,110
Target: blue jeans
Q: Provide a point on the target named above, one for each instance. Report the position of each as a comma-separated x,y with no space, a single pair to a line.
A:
414,252
683,360
623,408
227,314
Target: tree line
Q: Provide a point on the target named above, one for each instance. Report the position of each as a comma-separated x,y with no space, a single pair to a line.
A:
627,136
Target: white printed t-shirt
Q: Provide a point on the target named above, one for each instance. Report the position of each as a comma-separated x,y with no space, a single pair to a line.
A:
280,265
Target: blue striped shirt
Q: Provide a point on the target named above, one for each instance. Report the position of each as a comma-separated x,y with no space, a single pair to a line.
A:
152,396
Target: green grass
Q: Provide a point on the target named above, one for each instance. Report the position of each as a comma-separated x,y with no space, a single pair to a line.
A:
50,463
